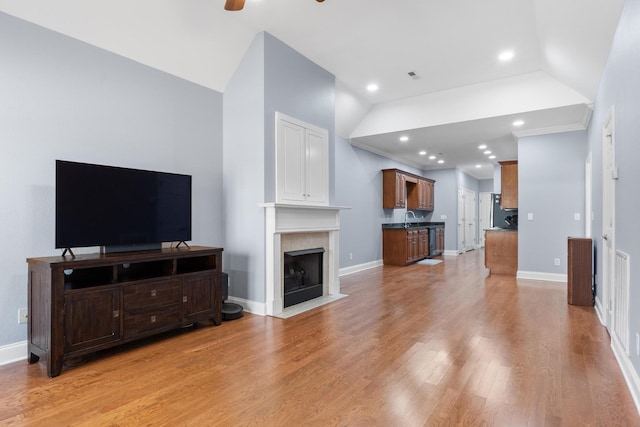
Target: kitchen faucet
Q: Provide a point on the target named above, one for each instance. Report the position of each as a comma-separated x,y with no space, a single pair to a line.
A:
405,217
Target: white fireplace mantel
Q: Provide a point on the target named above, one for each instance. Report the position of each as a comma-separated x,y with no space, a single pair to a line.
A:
283,219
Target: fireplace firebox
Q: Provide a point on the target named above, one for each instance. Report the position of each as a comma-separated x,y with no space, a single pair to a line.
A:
302,275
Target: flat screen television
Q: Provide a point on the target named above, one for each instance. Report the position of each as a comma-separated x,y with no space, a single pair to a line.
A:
116,207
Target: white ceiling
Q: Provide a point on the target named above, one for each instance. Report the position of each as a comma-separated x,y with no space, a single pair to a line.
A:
451,45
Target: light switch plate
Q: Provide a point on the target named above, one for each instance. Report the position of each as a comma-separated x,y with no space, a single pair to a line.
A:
576,216
530,216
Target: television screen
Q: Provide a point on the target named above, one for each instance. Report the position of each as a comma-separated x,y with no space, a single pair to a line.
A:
100,205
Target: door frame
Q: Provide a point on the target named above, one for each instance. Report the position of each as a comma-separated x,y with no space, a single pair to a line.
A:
608,238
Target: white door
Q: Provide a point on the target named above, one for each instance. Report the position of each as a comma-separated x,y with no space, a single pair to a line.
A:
485,215
469,220
608,220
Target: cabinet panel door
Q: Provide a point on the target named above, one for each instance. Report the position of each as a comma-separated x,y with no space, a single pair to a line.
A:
198,302
290,162
92,318
317,167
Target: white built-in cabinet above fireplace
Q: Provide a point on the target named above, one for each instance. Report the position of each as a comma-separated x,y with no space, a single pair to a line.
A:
302,162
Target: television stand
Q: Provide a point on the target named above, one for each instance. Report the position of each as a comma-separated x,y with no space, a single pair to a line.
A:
96,301
64,253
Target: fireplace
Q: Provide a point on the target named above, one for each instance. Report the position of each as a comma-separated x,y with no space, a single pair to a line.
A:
291,228
302,275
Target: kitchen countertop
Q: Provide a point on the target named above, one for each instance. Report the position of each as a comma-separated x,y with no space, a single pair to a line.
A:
412,225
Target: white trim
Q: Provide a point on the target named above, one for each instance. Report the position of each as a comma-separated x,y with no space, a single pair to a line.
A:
599,311
385,154
628,372
538,275
13,352
450,253
552,129
253,307
360,267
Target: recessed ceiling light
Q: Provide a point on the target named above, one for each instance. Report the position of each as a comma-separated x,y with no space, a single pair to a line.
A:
440,161
487,152
492,157
482,147
423,153
372,87
432,157
518,123
478,166
506,55
404,138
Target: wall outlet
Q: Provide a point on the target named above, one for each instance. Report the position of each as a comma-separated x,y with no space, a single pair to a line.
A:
350,255
443,217
23,315
530,216
556,261
576,216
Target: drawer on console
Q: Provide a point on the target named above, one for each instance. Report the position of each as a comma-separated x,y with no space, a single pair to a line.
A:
152,294
144,321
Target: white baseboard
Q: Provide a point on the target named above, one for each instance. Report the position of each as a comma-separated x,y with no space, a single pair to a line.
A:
536,275
628,372
13,352
360,267
450,253
249,306
599,311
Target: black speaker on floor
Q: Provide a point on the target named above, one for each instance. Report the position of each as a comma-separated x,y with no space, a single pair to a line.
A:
230,311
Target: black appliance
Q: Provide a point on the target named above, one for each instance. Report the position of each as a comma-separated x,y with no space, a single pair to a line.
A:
503,218
121,208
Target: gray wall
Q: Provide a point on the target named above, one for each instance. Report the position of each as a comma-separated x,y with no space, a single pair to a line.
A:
620,88
551,186
64,99
244,171
272,77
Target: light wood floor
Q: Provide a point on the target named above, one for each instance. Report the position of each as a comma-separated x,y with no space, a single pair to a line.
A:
412,346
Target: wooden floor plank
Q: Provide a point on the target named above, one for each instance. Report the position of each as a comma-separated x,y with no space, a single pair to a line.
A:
411,346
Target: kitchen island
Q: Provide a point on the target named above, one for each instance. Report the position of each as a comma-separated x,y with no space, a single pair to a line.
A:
501,251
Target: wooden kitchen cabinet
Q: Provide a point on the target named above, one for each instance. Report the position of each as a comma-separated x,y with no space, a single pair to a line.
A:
501,252
394,189
420,195
402,247
402,189
509,177
423,243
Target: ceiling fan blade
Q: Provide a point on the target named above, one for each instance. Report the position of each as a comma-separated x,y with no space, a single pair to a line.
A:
234,5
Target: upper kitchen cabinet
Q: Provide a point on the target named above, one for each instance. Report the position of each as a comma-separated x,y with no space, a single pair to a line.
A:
394,189
509,177
420,195
402,189
302,162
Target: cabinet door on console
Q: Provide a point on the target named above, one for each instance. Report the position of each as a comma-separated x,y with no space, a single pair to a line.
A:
92,318
198,300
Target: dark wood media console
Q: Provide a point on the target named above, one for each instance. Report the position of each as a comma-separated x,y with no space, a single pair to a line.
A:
87,303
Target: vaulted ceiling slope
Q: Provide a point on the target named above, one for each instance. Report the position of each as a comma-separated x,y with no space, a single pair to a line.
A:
560,50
